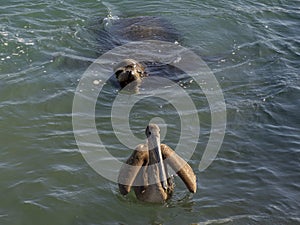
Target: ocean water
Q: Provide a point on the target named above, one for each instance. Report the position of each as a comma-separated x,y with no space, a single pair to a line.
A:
251,47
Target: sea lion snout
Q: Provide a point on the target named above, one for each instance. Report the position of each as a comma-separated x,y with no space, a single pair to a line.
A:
128,71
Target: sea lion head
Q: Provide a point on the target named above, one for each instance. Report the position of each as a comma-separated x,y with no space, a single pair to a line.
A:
128,71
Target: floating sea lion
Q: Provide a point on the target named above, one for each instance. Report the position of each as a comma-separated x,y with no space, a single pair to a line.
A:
146,170
128,71
141,28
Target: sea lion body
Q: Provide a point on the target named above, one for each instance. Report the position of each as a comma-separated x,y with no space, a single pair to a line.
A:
143,28
140,28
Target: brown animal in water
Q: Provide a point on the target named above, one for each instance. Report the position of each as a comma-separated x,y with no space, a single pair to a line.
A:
146,170
128,71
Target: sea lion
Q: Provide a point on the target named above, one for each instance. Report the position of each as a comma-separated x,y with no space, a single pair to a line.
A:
128,71
141,28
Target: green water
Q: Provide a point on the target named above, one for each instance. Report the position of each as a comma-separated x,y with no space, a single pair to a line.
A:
253,49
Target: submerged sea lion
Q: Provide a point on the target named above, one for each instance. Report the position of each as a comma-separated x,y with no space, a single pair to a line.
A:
143,28
140,28
129,70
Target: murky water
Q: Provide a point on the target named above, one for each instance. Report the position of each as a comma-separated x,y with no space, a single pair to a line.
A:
252,47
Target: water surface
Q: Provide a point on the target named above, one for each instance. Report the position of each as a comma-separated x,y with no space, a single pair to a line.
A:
251,46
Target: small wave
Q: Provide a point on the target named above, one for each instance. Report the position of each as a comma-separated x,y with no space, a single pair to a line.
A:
249,219
111,14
